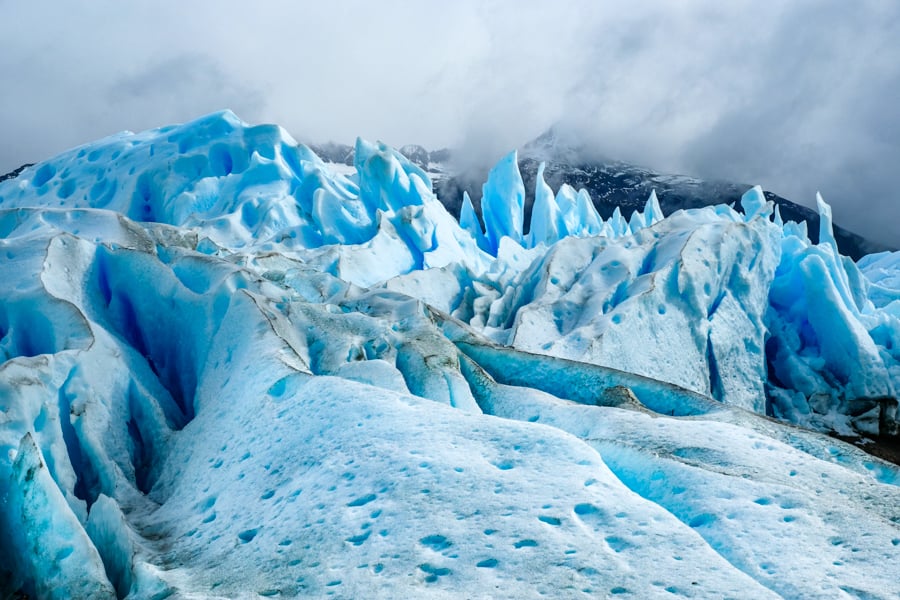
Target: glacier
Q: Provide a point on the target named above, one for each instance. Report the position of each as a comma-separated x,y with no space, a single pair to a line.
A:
228,369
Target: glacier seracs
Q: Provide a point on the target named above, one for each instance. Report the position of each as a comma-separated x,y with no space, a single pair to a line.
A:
226,370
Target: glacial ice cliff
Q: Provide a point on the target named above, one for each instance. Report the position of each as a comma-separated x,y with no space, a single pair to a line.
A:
226,370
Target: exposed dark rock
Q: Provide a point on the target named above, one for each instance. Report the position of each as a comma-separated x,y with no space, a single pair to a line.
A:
15,173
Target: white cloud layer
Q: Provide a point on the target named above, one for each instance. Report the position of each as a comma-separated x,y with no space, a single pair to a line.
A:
797,95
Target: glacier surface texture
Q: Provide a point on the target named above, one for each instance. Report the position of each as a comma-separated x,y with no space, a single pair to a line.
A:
230,371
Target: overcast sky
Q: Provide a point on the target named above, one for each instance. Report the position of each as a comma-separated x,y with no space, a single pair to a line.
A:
797,95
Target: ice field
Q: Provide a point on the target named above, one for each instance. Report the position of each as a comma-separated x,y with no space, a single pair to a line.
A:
229,371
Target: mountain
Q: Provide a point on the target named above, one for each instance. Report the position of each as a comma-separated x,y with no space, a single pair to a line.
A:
15,173
229,368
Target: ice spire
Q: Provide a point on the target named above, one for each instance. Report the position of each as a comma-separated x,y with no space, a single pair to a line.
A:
755,204
826,227
618,224
503,202
546,222
653,214
468,220
636,222
588,218
567,202
840,273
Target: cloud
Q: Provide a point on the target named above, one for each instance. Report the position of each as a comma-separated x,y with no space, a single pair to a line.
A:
189,84
797,96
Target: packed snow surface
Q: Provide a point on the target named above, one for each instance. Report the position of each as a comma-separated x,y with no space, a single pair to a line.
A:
227,370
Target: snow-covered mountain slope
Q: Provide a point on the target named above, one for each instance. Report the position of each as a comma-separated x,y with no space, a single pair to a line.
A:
230,372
